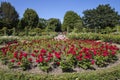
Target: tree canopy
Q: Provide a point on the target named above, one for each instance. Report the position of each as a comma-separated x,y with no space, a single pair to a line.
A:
30,18
42,23
54,24
101,17
71,19
8,15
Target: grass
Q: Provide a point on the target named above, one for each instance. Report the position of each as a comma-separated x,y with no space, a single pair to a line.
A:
112,73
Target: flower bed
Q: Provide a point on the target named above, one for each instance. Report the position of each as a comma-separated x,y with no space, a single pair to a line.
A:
64,54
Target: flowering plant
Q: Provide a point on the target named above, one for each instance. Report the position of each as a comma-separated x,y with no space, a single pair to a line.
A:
65,54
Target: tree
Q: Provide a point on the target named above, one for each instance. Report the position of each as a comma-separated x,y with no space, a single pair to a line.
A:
30,18
101,17
8,15
21,24
54,25
42,23
78,26
71,19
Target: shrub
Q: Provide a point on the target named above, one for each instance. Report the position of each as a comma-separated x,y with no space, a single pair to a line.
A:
95,36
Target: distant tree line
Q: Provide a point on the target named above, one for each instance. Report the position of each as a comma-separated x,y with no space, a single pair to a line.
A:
100,17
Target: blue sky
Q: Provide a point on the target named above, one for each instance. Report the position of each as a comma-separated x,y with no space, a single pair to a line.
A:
57,8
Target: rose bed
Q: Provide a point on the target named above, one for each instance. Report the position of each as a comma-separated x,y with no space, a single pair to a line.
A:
53,55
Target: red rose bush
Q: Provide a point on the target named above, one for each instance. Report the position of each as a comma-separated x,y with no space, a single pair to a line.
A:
65,54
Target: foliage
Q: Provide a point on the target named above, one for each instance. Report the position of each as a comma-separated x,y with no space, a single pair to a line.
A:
5,31
95,36
104,74
30,18
85,64
67,63
8,15
4,40
35,32
44,66
101,17
42,24
21,25
71,21
78,26
25,63
53,24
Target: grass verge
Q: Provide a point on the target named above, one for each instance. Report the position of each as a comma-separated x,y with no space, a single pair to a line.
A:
112,73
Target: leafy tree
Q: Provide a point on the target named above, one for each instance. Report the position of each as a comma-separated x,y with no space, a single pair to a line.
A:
8,15
78,26
42,23
21,24
30,18
71,21
101,17
54,25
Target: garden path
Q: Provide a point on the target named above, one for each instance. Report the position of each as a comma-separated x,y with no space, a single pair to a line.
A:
60,37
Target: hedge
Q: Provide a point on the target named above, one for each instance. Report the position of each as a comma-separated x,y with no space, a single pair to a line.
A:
95,36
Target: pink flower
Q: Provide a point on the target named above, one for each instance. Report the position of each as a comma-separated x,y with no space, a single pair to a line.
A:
36,51
92,62
20,57
113,52
49,46
79,58
40,59
12,60
30,59
37,61
95,53
4,50
16,54
57,55
64,48
50,55
58,63
33,55
53,51
105,53
48,59
43,51
25,54
18,63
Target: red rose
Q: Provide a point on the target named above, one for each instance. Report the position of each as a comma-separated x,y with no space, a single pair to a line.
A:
43,51
92,62
58,63
37,61
30,59
16,54
40,59
33,55
25,54
18,63
36,51
12,60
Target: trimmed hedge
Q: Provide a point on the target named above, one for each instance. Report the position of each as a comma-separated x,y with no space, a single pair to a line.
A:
95,36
